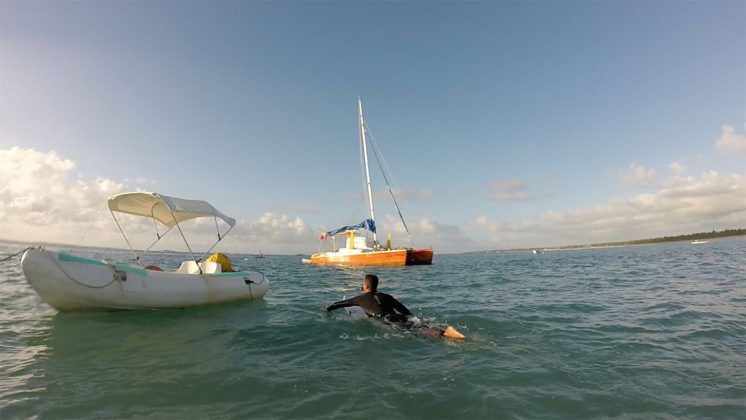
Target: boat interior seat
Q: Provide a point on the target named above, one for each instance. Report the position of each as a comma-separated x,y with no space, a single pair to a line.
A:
211,267
191,267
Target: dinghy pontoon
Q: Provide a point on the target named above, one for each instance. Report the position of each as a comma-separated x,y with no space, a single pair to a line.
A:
72,283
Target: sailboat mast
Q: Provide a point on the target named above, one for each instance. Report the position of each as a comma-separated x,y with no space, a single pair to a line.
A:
365,157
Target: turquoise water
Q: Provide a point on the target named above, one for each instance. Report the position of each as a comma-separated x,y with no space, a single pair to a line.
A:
654,331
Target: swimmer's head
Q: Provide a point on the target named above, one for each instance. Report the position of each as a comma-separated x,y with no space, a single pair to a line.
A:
370,283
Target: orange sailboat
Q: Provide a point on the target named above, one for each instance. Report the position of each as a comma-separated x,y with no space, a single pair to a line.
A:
358,250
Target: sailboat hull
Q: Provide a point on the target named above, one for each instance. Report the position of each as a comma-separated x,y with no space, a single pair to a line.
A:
395,257
419,256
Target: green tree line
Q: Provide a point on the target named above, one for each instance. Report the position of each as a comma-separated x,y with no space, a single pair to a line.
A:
688,237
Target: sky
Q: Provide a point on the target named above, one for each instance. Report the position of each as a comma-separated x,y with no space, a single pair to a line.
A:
504,124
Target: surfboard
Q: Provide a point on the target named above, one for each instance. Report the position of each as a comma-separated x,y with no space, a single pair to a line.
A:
356,312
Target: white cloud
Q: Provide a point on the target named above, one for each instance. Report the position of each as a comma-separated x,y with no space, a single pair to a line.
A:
269,233
40,201
276,228
637,175
730,141
272,233
679,205
503,235
509,190
676,168
425,233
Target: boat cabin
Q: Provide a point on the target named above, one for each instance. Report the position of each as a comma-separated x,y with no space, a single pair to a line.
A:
356,242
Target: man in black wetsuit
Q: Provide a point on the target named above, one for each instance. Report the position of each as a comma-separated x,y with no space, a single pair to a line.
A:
389,310
375,303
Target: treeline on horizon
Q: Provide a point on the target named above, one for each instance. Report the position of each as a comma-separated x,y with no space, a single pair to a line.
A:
687,237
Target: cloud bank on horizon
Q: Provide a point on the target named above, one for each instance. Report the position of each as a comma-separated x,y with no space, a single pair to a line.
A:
44,199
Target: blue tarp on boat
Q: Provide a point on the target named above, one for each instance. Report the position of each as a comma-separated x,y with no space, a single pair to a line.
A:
365,224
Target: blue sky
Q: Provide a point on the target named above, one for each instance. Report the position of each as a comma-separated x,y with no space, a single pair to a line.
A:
505,124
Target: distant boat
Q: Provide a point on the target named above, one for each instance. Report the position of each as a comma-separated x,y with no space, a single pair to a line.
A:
72,283
357,250
259,255
699,242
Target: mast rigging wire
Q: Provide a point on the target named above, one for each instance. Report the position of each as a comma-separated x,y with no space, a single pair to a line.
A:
388,186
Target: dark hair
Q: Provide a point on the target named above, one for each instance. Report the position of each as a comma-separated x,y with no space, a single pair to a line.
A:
372,281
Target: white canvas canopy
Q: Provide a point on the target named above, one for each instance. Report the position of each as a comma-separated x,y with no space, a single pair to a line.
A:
170,211
167,210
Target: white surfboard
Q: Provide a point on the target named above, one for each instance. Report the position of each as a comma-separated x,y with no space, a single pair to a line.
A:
355,312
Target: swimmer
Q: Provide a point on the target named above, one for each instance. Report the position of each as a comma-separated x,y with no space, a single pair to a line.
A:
389,310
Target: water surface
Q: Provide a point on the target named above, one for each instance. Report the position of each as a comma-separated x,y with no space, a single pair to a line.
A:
650,331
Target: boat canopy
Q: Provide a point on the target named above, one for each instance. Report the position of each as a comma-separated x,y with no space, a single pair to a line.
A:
368,224
167,210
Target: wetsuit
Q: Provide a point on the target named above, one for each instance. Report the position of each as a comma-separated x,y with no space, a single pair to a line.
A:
389,310
376,304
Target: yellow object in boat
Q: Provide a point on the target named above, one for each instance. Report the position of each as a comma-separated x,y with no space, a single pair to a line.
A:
226,266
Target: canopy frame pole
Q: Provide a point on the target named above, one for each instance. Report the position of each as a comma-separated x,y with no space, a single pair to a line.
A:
155,225
159,238
137,257
216,242
217,228
186,242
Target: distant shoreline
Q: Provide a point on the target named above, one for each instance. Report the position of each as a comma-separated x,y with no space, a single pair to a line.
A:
727,233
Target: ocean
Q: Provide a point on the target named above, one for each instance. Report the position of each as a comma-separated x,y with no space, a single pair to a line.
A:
641,332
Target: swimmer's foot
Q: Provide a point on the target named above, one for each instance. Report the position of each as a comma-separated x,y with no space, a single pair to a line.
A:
452,333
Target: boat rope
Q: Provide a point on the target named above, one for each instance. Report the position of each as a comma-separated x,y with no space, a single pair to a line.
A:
95,219
264,278
54,260
374,144
388,186
249,282
16,254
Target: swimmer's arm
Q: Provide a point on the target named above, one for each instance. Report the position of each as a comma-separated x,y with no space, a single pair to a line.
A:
342,304
400,307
